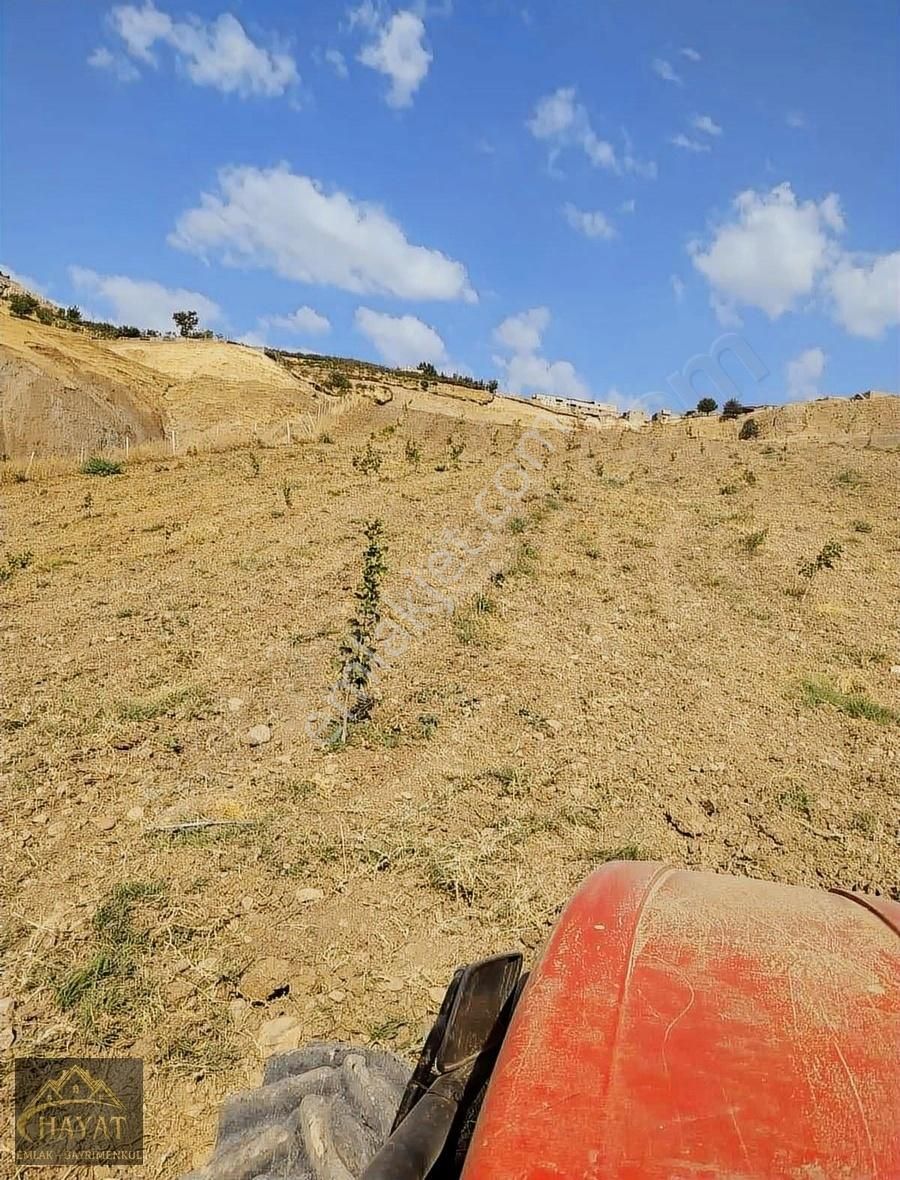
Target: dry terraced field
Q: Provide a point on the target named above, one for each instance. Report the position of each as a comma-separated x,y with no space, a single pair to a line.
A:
678,646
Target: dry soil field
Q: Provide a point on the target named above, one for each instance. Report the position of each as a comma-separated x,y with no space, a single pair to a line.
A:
676,646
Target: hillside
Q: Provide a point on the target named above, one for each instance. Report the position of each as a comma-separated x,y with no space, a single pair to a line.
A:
61,391
677,645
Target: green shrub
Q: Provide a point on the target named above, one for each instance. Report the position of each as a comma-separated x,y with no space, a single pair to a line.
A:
368,461
850,478
358,649
825,559
97,465
338,382
13,562
22,304
749,430
707,405
751,542
45,315
854,704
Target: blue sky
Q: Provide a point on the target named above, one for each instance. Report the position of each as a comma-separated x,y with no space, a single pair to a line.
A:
569,196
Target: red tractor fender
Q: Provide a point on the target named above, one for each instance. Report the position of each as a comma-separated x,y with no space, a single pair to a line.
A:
689,1026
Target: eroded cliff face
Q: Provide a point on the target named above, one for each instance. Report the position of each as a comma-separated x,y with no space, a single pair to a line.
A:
46,409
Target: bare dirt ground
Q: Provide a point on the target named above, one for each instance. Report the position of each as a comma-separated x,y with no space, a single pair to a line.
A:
679,646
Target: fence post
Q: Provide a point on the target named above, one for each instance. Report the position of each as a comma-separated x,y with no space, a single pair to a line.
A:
289,432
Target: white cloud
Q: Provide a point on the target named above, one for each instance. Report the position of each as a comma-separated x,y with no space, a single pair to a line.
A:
141,28
773,252
628,206
365,14
666,71
690,54
725,312
689,145
526,370
338,63
141,302
305,320
795,119
865,293
114,63
398,52
560,121
645,168
217,54
523,332
555,114
677,285
592,225
277,220
401,340
803,373
706,124
530,372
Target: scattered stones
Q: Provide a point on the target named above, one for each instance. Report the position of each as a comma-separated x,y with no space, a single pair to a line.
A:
235,704
436,994
258,735
895,669
179,990
309,895
105,823
264,979
246,904
134,814
686,818
337,996
279,1035
302,981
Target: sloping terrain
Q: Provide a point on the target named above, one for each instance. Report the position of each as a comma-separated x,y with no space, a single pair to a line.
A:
211,384
64,392
675,645
61,391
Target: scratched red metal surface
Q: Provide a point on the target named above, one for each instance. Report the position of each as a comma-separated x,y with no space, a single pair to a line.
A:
687,1025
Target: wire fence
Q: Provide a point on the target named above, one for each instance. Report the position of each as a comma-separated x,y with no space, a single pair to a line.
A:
122,445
